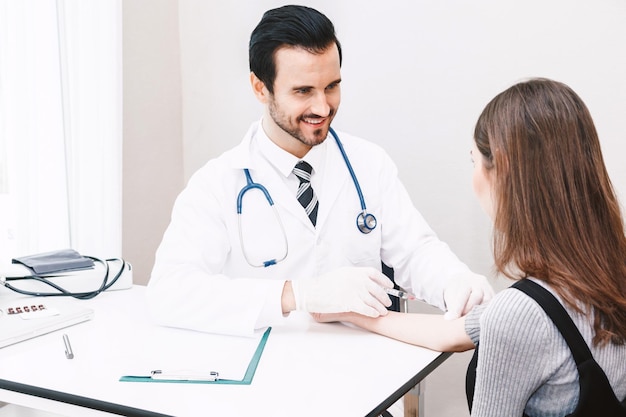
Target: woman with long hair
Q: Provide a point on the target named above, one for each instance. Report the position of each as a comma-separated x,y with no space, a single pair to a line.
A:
539,174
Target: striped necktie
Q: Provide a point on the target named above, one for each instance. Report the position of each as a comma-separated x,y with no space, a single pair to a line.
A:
305,193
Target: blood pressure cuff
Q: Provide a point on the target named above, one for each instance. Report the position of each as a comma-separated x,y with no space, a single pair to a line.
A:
56,261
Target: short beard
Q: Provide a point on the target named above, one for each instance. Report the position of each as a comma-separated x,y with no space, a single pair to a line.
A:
295,132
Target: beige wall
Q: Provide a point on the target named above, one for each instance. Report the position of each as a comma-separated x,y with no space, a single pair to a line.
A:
152,166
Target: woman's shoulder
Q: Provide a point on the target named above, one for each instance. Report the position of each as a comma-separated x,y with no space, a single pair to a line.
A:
511,314
512,305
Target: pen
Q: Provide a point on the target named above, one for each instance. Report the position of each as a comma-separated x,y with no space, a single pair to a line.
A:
68,348
400,294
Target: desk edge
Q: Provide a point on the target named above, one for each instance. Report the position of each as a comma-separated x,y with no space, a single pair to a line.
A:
77,400
399,393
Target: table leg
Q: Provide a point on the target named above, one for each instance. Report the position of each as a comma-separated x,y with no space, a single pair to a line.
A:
414,402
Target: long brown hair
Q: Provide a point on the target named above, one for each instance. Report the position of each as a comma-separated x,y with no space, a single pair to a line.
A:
557,217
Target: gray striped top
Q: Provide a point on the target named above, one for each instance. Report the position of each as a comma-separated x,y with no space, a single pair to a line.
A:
525,365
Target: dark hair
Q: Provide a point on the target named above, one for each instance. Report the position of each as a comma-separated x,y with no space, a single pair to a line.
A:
297,26
557,217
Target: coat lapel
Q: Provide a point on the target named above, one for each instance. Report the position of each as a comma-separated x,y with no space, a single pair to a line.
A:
264,173
334,178
335,175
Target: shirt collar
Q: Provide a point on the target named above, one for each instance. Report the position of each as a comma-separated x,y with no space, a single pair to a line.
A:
282,160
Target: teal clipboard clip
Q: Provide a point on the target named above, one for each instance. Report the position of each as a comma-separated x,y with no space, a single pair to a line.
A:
247,379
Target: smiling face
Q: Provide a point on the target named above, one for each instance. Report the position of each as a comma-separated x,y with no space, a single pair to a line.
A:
305,99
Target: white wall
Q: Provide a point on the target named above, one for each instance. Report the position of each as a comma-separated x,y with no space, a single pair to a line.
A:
416,75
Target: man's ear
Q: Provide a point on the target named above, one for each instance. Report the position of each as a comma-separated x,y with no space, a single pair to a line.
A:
259,89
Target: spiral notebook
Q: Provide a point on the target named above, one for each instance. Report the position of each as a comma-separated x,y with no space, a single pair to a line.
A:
27,318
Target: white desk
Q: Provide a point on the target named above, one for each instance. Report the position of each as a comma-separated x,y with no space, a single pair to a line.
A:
307,369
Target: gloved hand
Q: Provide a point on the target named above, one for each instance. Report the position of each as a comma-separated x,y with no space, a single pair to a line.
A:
464,292
357,289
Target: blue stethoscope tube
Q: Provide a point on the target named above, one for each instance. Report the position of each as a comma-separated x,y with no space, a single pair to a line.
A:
365,221
249,186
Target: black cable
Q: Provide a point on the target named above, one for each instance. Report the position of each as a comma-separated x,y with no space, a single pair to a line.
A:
62,292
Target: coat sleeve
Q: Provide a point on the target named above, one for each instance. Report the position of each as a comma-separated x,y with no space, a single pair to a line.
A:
422,262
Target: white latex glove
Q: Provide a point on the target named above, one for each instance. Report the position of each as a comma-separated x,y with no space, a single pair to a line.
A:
464,292
357,289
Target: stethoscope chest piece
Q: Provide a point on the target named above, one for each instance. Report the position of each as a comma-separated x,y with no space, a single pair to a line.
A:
366,222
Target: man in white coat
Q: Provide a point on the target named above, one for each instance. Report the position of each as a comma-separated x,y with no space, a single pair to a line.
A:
230,262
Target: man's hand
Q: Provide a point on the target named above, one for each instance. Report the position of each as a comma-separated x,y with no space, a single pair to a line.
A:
355,289
464,292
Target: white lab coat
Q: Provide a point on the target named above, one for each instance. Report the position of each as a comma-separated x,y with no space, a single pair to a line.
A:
202,281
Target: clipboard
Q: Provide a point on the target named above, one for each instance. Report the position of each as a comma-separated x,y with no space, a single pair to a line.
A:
247,379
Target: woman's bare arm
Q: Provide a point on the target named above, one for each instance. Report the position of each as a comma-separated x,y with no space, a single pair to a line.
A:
431,331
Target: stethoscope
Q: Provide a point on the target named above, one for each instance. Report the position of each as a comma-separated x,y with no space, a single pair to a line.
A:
365,221
62,292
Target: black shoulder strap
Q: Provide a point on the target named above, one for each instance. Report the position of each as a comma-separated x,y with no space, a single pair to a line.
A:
559,316
596,398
